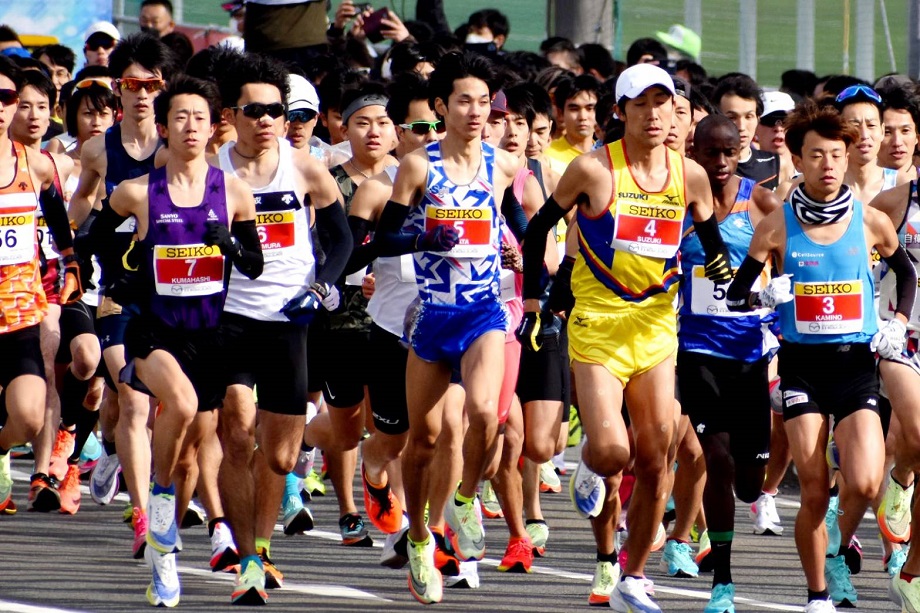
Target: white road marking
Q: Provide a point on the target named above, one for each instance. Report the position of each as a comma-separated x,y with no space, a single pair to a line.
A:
19,607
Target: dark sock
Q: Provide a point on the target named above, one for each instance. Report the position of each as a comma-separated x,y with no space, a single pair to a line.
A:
3,451
377,492
822,595
721,556
528,522
213,523
109,447
834,491
86,421
73,392
607,557
304,446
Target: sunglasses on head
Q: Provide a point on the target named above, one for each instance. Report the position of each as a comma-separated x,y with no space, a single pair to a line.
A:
301,115
8,97
258,110
421,128
863,91
93,82
133,84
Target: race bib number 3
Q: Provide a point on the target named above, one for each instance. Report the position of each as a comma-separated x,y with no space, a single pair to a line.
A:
17,238
188,270
277,233
474,225
649,230
708,298
828,308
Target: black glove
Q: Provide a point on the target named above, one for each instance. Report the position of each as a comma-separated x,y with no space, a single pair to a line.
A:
218,234
718,269
528,332
440,238
301,309
561,299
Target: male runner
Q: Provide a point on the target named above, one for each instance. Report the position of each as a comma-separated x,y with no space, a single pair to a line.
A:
900,116
624,284
575,100
822,240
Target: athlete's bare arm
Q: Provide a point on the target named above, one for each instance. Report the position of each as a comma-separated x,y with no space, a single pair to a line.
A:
765,202
411,178
64,166
93,161
533,196
130,199
506,167
698,190
370,197
770,239
892,202
880,232
587,182
321,187
241,205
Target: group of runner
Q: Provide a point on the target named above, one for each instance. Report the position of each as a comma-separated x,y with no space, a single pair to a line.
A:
727,284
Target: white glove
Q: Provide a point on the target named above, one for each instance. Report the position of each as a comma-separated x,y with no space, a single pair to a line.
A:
332,299
778,291
888,342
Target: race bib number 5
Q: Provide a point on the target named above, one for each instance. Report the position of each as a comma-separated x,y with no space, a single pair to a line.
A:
474,225
188,270
277,233
708,298
829,307
647,229
17,238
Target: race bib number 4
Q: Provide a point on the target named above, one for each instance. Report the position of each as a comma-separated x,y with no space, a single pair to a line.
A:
474,225
188,270
17,238
828,307
708,298
646,229
277,233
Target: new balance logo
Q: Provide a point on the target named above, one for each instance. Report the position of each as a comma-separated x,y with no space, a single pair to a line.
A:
700,428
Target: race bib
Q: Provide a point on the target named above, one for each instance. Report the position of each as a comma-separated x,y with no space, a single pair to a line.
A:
188,270
44,239
17,238
708,298
647,229
277,233
507,285
833,307
407,268
474,224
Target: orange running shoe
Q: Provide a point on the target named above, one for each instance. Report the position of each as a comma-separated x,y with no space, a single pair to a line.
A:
273,577
518,556
43,494
70,491
382,506
63,447
445,560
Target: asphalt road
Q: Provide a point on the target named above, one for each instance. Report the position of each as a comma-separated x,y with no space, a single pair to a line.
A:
82,563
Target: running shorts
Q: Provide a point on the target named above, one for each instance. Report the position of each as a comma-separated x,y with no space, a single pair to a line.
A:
21,354
443,333
386,382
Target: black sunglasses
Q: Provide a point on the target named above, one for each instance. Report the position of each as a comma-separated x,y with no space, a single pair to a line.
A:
99,40
301,115
772,120
421,128
8,97
258,110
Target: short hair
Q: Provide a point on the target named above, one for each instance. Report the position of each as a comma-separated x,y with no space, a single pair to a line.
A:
525,64
212,63
334,85
8,34
249,68
144,49
552,76
42,83
370,88
709,123
181,46
835,84
696,72
495,20
403,91
596,57
569,88
59,55
184,84
11,71
825,120
902,98
741,85
645,46
97,98
542,103
798,83
699,101
164,3
455,66
405,56
519,101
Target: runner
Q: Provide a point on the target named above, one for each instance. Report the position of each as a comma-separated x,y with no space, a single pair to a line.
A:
827,316
900,116
575,100
626,287
771,134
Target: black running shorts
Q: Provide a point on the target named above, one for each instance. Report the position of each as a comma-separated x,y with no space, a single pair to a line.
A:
76,318
545,374
21,354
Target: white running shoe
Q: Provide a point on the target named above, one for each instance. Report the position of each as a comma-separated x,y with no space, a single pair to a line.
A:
766,519
630,596
468,577
163,590
103,480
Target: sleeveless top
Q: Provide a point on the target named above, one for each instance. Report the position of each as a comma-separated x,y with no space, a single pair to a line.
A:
283,224
44,235
706,324
909,237
22,299
832,286
628,253
468,273
189,277
762,167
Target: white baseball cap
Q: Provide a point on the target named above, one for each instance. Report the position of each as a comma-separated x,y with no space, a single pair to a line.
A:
776,102
636,79
102,27
303,95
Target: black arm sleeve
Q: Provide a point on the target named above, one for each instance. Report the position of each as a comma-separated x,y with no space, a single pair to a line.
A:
55,214
738,297
710,238
905,277
362,254
514,215
248,259
332,222
100,232
534,248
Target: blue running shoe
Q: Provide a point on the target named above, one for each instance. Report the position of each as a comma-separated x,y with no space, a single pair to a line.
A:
163,590
833,529
837,575
895,561
297,518
587,491
722,599
162,530
678,561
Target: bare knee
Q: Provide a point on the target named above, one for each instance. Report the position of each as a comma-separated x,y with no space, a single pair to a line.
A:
607,460
281,463
539,450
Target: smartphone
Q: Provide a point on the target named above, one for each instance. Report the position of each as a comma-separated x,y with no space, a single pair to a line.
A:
372,26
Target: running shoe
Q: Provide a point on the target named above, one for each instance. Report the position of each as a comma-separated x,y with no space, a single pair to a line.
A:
549,480
469,539
837,575
10,508
466,578
722,599
127,513
250,586
424,579
445,558
64,442
354,532
305,460
660,538
703,551
678,561
820,606
43,494
6,482
70,491
274,578
630,596
895,561
382,506
587,491
906,593
103,480
832,453
139,522
296,518
395,549
606,575
194,515
894,514
575,429
163,590
833,528
539,534
766,519
853,555
559,463
90,454
491,508
518,556
162,531
313,484
224,557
